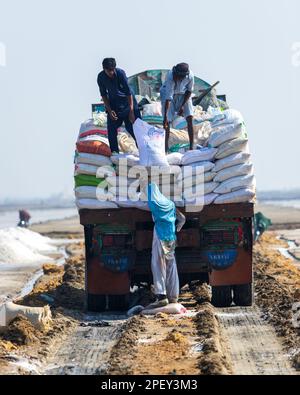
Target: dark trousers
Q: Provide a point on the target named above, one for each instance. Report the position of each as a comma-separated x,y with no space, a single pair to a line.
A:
112,129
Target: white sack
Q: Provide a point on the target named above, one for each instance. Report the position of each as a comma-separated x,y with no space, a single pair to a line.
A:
88,192
151,144
94,204
232,160
240,196
233,184
225,133
92,159
234,171
198,155
232,147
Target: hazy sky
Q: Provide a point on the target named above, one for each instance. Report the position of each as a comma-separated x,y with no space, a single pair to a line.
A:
53,54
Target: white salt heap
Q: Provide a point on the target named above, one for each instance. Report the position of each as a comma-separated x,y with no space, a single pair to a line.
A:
22,246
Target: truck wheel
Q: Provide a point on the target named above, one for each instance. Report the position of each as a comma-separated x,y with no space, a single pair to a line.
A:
118,302
221,296
96,303
243,295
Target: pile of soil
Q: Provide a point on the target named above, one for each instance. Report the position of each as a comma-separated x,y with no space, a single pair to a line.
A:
214,359
21,332
70,294
277,290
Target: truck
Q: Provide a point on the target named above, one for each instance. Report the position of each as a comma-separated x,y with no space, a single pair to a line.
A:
214,246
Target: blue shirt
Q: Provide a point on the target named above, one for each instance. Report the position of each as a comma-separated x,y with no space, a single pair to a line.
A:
171,88
116,89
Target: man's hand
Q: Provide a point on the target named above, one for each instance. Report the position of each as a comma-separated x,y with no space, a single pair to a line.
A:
131,116
113,115
165,123
180,111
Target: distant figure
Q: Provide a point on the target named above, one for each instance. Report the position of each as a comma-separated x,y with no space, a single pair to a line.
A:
176,99
24,218
119,100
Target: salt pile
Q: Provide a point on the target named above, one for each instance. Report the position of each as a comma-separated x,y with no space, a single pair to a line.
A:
22,246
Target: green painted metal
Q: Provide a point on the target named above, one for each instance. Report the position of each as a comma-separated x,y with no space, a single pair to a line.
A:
148,83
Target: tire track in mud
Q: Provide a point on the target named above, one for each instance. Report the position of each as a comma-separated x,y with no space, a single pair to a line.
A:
173,344
86,350
253,345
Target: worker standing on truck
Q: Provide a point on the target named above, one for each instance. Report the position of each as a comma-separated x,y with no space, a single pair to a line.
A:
163,262
176,99
119,101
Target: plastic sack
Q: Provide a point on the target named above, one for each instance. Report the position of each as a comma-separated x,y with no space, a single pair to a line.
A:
105,171
199,167
198,155
132,160
86,192
94,204
92,159
202,133
174,158
240,196
82,168
227,116
87,180
119,181
100,119
207,199
95,137
126,142
151,144
233,184
130,191
181,148
172,308
141,205
225,133
101,171
192,180
234,171
232,147
231,160
40,317
152,109
203,189
178,137
93,147
89,126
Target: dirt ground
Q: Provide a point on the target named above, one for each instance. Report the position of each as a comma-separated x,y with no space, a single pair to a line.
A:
277,291
196,343
184,344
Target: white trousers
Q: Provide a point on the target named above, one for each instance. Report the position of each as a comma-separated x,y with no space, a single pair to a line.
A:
164,270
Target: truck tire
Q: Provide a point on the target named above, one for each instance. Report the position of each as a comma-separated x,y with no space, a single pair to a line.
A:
96,303
243,295
118,302
221,296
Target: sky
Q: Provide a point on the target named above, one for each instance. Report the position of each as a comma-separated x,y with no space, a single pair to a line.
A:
51,53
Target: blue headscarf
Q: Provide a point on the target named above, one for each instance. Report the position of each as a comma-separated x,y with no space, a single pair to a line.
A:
164,213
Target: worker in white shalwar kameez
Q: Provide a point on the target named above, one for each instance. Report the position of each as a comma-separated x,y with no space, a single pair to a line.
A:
163,262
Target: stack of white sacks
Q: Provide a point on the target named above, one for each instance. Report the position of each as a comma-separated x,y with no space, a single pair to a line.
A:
233,166
223,163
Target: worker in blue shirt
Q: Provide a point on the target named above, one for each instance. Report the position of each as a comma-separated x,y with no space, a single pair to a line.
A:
119,101
176,99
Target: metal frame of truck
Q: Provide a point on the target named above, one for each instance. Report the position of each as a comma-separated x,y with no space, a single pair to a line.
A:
210,234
